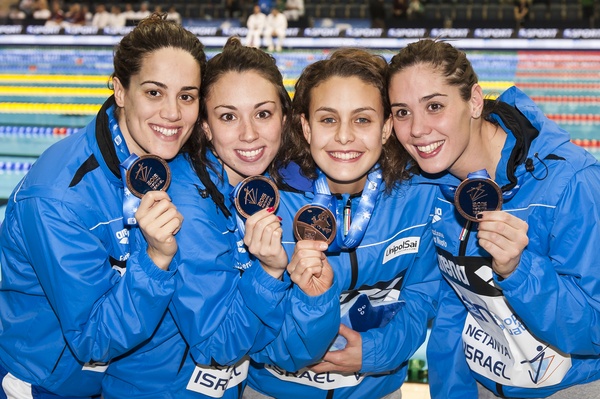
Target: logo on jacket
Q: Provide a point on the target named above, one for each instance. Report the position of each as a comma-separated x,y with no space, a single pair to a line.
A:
540,364
471,272
437,215
453,270
439,239
123,236
403,246
485,273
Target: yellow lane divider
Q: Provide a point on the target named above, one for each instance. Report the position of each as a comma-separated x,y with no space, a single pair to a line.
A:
54,91
98,79
19,78
498,86
37,108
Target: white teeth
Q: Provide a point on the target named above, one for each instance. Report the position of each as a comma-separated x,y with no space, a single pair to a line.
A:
165,131
345,156
250,154
430,147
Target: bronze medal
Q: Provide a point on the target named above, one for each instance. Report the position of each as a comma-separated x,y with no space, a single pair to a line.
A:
477,195
148,173
255,193
313,222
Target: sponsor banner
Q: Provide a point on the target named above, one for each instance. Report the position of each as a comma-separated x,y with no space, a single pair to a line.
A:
415,33
403,246
538,33
322,32
496,343
11,29
494,33
364,32
450,33
341,35
581,34
43,30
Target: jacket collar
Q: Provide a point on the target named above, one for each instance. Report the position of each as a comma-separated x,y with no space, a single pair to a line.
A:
523,133
104,138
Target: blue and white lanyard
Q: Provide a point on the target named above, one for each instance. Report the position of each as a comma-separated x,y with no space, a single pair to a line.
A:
241,223
241,254
130,201
366,204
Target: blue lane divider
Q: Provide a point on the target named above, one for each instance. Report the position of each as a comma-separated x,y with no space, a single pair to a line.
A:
33,131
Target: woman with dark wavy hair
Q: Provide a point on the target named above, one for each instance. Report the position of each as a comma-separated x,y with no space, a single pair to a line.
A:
343,164
516,233
74,294
232,295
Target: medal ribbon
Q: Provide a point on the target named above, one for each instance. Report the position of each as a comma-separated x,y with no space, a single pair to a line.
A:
130,201
241,254
241,224
242,260
358,226
449,190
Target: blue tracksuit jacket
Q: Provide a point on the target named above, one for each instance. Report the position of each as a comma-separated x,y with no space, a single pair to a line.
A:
395,261
71,291
537,331
218,314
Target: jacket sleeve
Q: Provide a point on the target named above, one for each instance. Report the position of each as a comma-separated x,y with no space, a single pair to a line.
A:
388,347
101,313
555,288
310,326
223,314
449,374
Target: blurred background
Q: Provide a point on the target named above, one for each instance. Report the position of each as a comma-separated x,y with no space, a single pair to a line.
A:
56,58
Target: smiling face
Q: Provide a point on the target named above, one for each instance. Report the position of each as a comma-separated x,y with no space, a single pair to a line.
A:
433,122
244,123
346,130
158,111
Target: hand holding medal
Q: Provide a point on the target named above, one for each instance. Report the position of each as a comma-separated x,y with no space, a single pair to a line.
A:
502,235
315,229
256,198
140,175
147,178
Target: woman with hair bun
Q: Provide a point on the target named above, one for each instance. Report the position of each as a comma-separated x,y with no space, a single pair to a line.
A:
516,233
74,294
231,293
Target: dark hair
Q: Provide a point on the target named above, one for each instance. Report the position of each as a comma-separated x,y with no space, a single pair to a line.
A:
236,57
450,61
151,34
444,57
347,62
154,33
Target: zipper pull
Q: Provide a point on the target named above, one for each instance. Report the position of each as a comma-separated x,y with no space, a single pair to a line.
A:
347,216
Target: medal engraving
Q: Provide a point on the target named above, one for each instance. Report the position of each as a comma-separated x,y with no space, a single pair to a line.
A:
314,222
148,173
254,194
477,195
